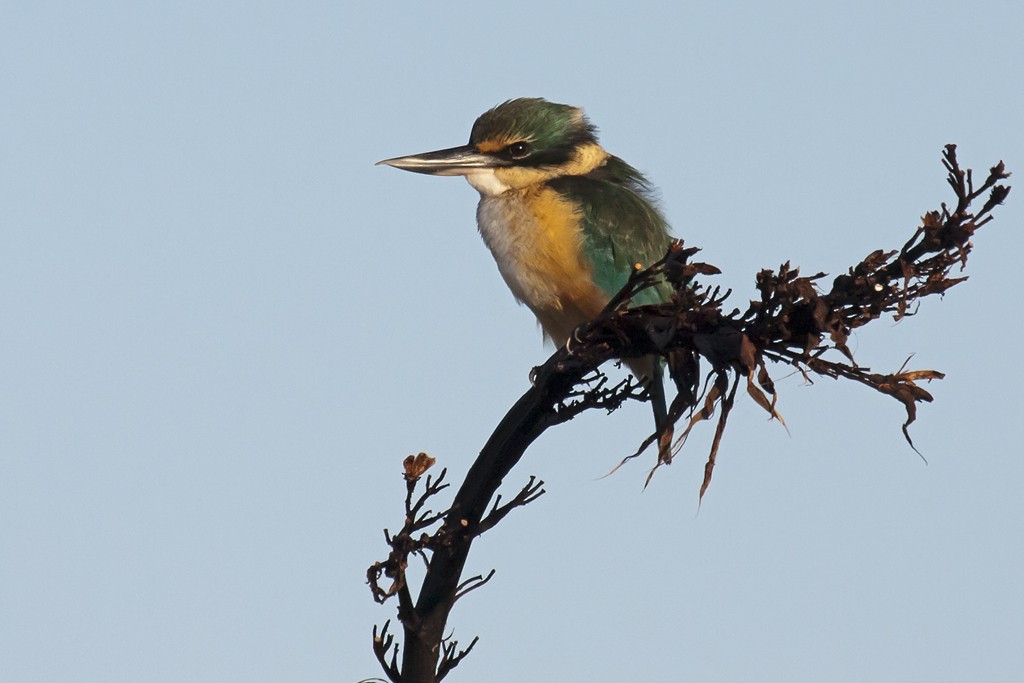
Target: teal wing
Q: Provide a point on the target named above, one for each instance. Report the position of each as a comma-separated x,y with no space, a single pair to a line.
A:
621,224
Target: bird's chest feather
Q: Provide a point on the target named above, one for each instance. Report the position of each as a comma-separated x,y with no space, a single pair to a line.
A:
535,239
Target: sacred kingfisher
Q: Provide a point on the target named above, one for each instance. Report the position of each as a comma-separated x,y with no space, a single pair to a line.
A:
566,221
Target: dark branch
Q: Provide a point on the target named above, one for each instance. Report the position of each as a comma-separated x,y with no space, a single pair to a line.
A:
449,658
472,583
792,322
403,544
381,644
529,493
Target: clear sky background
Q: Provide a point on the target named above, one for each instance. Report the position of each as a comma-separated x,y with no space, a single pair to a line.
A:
222,328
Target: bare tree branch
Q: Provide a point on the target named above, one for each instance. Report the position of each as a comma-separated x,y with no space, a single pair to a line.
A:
472,583
450,658
529,493
382,642
709,353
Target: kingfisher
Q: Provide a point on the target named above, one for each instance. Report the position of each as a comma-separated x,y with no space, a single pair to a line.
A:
566,222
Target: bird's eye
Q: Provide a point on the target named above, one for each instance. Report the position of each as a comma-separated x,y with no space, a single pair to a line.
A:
518,150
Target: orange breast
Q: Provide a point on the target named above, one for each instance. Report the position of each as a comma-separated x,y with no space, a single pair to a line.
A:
534,235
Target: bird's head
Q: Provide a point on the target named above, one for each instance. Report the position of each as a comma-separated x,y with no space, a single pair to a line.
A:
515,145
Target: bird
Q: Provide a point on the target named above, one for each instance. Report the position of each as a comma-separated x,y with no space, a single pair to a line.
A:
566,221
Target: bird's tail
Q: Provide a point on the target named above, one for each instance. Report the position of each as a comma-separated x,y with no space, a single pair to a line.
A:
651,370
661,423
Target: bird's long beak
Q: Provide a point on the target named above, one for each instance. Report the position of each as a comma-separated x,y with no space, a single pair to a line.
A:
463,160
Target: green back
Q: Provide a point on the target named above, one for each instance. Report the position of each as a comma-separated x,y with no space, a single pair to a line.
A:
622,225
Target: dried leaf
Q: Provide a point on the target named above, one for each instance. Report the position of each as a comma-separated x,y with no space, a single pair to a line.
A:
416,465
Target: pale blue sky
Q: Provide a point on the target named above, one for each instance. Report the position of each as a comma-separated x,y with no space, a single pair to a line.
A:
223,328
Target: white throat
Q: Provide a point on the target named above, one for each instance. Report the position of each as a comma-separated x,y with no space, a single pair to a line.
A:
486,183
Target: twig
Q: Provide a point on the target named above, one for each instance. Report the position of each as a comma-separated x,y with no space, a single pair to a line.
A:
449,658
382,642
529,493
472,584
